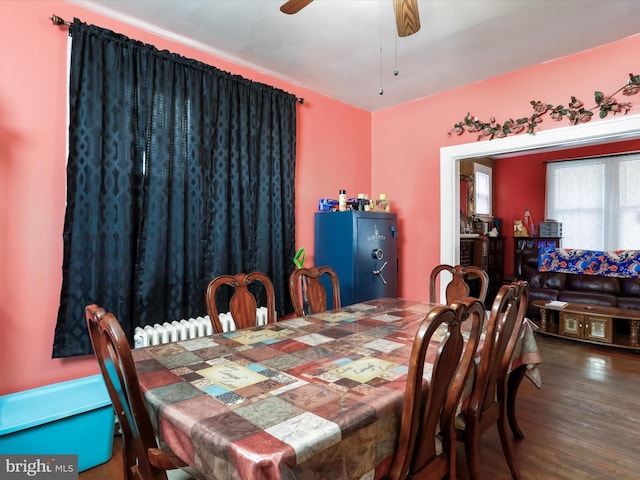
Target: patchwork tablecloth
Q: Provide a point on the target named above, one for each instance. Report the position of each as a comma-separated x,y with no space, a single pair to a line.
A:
316,397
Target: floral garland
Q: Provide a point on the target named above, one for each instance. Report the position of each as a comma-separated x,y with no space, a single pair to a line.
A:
575,112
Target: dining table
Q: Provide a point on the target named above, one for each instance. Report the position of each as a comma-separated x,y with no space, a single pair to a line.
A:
313,397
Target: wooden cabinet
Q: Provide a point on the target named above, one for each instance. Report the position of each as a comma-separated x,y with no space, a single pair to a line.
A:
466,251
523,245
488,254
585,327
616,327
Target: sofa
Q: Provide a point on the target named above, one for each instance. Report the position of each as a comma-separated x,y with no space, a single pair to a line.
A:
609,291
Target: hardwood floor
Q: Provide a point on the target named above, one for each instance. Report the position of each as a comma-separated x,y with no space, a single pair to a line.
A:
583,424
112,470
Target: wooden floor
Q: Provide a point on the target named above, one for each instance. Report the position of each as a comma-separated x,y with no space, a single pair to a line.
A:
583,424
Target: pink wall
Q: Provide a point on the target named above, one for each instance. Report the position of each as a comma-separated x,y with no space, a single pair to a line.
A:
407,140
334,152
395,151
520,181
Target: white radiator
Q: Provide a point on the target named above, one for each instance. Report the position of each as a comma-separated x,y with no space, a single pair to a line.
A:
186,329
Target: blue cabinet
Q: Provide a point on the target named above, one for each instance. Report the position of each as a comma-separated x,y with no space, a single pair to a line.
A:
362,247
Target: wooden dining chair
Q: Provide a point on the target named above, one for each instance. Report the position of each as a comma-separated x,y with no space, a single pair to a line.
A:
426,447
242,304
487,405
458,288
308,293
142,458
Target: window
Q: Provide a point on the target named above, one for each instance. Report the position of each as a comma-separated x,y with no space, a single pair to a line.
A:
483,183
597,200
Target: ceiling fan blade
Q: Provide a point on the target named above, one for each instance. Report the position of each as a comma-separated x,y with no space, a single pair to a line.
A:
407,17
294,6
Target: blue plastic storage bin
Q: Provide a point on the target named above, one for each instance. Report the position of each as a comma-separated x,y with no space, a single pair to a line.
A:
73,417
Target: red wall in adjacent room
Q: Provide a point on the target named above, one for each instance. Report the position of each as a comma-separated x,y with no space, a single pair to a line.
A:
520,182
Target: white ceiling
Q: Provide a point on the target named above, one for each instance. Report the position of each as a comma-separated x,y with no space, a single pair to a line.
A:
347,49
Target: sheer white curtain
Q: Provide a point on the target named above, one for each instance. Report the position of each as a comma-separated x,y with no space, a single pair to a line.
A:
597,200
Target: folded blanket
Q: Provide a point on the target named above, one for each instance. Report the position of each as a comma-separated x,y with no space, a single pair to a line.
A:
617,263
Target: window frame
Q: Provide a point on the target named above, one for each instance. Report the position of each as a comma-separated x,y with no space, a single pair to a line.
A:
480,170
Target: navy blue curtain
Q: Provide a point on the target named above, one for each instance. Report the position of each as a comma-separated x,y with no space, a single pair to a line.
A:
177,172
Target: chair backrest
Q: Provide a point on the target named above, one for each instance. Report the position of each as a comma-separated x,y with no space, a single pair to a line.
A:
503,329
113,353
428,414
308,294
458,288
242,305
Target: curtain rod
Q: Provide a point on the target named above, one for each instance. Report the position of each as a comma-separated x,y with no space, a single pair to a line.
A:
594,157
56,20
61,22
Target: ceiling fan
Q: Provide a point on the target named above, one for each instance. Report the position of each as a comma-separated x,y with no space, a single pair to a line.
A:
407,17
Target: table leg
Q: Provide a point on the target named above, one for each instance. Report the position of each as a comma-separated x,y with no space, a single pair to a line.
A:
513,384
634,324
543,319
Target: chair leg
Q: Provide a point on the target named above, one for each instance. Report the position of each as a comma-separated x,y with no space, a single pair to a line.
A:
453,458
513,383
471,449
507,448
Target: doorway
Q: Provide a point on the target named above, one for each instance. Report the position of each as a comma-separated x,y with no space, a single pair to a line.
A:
598,132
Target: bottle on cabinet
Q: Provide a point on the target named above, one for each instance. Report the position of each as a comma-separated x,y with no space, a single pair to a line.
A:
363,202
382,205
342,201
